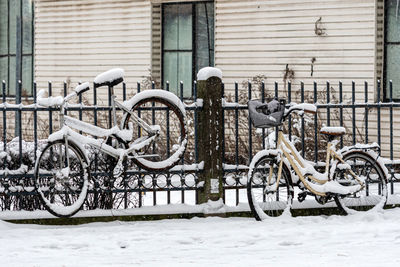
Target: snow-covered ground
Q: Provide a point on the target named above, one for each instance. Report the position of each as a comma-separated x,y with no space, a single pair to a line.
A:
365,239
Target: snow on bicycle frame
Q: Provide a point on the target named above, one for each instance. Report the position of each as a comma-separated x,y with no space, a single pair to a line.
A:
110,79
62,170
338,181
274,113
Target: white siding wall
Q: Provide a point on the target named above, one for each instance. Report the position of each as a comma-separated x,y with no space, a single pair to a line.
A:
76,40
260,37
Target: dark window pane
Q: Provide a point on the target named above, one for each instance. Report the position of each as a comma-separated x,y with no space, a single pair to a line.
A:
204,35
170,27
3,27
3,71
393,21
12,81
178,39
185,39
185,72
170,64
14,16
26,75
27,26
393,69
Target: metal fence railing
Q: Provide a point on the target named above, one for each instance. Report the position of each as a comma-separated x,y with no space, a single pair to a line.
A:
25,126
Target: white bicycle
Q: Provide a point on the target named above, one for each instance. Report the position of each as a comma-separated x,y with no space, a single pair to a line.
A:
152,134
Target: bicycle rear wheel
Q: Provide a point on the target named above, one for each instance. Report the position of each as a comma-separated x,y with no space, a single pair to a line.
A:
61,178
162,110
375,193
266,195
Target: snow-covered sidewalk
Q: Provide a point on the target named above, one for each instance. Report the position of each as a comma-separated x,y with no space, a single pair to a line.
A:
366,239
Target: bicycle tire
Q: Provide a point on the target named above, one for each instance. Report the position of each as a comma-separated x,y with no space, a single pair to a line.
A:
273,203
166,110
62,189
375,193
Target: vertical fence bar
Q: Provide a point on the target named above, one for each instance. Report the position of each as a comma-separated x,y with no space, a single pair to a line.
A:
123,91
223,139
236,124
110,117
35,136
341,110
353,108
379,114
80,108
328,101
250,127
96,159
391,135
19,122
50,110
196,138
125,176
290,115
4,123
168,152
140,176
183,183
237,138
263,100
366,111
302,121
315,125
277,127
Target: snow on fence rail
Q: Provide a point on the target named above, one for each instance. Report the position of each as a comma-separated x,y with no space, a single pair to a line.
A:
25,125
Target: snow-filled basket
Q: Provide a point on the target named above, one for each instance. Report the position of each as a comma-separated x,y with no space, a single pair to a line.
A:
266,115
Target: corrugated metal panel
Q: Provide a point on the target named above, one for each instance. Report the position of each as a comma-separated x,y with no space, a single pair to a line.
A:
261,37
76,40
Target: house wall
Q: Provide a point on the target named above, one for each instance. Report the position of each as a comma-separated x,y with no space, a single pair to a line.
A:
76,40
261,37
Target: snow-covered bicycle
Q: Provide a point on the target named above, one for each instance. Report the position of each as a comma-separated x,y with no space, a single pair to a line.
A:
355,177
152,134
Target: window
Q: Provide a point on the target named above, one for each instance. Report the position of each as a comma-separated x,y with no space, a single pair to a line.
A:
16,45
392,49
188,43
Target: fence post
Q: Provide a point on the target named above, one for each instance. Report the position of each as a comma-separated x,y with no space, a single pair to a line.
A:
209,84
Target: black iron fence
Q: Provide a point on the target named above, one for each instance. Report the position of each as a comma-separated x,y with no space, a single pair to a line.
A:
26,125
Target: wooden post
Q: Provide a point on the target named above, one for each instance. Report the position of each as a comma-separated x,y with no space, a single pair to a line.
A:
209,86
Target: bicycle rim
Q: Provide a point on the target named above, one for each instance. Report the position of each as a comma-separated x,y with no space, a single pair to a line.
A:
170,145
266,196
62,188
374,195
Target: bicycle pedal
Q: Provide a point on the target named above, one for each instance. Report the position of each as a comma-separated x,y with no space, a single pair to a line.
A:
302,196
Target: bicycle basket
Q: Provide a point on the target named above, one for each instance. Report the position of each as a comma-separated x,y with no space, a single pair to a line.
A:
266,115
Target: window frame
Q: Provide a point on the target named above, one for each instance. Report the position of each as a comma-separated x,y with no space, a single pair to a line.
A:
194,48
385,82
23,54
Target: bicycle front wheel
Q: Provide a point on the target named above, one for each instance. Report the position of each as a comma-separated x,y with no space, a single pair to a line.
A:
164,111
367,169
61,178
268,195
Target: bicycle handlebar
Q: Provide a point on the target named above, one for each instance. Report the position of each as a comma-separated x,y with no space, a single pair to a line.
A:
303,107
58,101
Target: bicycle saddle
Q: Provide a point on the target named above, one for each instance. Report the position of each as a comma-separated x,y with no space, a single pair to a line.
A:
333,131
109,78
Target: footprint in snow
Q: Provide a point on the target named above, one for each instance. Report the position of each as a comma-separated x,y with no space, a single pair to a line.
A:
289,243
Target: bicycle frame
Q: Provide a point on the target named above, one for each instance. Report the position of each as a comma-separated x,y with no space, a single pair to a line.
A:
67,122
298,164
